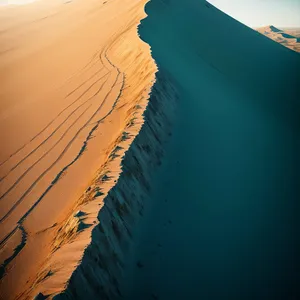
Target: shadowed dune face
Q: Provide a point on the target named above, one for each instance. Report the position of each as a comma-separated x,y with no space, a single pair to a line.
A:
74,83
274,29
289,38
225,217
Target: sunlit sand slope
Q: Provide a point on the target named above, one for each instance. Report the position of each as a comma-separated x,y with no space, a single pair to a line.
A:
74,83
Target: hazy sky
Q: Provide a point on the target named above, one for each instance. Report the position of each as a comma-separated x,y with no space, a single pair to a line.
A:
256,13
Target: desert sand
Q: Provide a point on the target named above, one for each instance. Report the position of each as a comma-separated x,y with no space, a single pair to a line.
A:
74,82
224,216
288,37
295,31
149,151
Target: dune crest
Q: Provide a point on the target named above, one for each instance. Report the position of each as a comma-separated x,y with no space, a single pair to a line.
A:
75,81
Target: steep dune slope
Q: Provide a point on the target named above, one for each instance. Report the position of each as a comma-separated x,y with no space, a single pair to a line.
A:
100,272
74,81
225,217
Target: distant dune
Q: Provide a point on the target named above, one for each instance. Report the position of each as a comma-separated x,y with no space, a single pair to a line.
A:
292,31
288,37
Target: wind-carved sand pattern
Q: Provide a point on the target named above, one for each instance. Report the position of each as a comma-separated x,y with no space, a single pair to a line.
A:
73,129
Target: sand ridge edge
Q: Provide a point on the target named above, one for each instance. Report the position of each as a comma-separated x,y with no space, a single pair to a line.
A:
129,58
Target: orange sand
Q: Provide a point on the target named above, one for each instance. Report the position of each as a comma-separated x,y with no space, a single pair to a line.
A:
74,82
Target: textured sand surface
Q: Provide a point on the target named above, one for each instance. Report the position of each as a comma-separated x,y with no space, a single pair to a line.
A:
288,37
219,219
74,82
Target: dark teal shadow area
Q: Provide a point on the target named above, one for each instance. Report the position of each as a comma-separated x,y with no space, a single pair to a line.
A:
224,218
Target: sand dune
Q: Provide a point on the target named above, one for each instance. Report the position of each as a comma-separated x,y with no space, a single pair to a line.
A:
75,80
223,221
293,31
288,37
85,212
218,219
